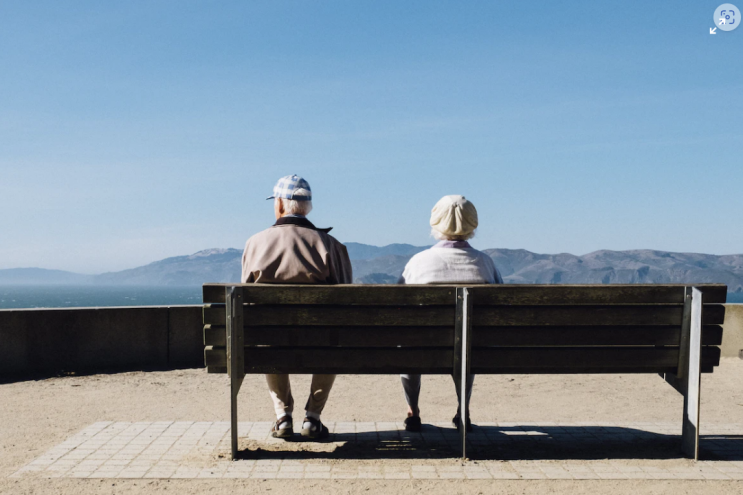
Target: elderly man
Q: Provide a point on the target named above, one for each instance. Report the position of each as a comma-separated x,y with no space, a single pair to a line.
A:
294,251
451,261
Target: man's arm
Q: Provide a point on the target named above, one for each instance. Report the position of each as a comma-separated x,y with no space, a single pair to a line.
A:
245,274
341,269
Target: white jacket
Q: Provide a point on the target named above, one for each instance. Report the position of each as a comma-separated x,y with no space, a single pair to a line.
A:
445,264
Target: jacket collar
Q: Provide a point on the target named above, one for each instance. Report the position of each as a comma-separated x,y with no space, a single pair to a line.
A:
453,244
300,222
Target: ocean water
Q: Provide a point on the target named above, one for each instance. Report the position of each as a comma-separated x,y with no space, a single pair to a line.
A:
66,296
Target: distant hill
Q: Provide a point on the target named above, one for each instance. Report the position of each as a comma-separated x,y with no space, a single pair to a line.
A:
42,276
358,251
375,265
382,270
213,265
642,266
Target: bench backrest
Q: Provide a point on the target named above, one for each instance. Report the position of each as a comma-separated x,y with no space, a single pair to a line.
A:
414,329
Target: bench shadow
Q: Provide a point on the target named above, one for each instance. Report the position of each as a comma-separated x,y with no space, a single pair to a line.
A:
499,443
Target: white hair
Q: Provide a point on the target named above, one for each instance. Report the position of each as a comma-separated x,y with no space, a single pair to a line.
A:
442,237
295,207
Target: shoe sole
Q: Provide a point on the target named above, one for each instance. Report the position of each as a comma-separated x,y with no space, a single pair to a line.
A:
315,435
285,433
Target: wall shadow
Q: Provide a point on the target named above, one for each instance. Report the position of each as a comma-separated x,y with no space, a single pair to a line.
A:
63,373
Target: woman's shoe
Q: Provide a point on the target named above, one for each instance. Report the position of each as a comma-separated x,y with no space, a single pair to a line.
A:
456,420
413,423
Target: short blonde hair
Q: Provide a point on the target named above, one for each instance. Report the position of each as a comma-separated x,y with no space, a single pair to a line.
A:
454,217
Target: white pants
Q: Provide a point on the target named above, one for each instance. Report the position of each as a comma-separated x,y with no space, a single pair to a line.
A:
281,393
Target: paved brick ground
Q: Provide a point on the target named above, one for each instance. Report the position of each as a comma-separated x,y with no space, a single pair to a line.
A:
385,451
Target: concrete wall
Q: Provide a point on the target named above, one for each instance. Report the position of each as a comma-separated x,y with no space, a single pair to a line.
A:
44,342
732,333
49,341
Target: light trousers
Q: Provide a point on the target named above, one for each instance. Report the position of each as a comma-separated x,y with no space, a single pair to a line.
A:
281,393
411,384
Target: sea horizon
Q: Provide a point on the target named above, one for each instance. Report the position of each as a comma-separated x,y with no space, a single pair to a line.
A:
86,296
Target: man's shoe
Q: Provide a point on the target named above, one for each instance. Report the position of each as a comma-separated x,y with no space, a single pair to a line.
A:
314,429
456,420
283,428
413,423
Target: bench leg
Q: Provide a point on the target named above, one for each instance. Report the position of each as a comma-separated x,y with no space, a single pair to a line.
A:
690,428
234,389
678,380
462,345
235,354
687,379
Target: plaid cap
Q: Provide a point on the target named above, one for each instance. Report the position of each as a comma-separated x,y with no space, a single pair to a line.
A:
286,186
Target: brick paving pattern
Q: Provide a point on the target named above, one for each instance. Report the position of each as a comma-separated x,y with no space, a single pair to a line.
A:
166,449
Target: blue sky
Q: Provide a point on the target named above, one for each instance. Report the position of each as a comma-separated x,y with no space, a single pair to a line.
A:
132,131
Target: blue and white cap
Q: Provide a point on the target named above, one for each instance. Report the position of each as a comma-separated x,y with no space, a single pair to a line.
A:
286,186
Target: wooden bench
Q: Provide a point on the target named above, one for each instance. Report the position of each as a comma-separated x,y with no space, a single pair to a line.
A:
672,330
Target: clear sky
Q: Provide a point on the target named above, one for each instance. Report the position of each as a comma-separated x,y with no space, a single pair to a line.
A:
133,131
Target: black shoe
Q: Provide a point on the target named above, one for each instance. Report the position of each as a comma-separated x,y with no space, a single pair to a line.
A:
285,433
316,431
456,420
413,423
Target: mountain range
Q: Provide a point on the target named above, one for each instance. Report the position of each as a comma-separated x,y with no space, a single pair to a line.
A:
383,265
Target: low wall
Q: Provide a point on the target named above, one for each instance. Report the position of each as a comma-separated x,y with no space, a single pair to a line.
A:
44,342
732,334
50,341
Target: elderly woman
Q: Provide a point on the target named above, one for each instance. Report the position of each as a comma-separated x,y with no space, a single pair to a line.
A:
451,261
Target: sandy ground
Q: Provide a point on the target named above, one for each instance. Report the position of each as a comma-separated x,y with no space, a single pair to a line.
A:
36,415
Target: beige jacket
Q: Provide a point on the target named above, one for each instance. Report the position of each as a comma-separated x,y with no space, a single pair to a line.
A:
294,251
